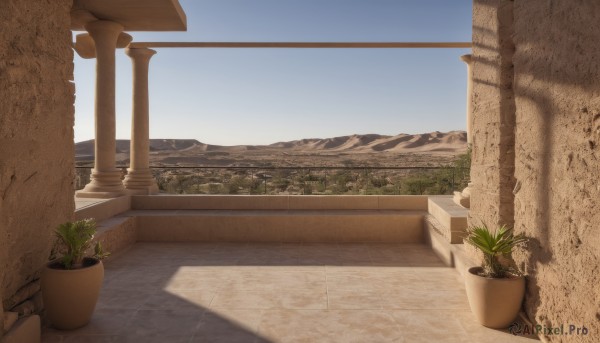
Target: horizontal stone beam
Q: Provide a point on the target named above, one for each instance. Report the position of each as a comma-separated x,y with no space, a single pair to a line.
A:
303,45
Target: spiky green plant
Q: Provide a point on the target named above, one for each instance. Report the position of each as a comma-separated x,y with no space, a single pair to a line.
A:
493,245
74,239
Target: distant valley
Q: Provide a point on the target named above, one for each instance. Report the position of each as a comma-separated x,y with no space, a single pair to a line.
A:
371,149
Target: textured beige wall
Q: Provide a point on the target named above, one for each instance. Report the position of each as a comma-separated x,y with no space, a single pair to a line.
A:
493,107
554,123
36,135
557,89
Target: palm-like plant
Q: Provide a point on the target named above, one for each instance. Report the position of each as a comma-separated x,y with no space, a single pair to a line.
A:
493,245
74,239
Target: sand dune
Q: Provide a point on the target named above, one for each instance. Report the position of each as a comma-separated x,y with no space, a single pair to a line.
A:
449,142
454,141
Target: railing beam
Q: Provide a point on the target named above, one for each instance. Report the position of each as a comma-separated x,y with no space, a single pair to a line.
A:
303,45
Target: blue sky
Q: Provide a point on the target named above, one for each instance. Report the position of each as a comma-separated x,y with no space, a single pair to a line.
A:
262,96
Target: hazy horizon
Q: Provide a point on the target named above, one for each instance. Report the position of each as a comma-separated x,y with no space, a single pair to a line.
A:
261,96
290,140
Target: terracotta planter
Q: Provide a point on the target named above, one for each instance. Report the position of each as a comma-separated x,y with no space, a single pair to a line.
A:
494,302
71,295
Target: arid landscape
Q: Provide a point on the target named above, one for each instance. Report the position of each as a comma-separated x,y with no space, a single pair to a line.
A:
403,150
430,163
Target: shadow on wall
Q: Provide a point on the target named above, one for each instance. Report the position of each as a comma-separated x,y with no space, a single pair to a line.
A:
494,74
537,248
551,103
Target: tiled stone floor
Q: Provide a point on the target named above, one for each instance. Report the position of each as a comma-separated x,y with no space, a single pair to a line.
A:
164,292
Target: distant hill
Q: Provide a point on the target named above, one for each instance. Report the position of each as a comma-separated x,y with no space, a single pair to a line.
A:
453,142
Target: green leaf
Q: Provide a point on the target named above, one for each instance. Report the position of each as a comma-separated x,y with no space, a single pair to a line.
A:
74,239
493,244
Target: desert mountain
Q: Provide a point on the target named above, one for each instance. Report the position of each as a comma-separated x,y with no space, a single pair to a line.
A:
454,141
179,150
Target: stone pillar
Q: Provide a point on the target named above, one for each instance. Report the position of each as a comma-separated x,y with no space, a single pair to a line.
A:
464,198
139,179
467,59
106,179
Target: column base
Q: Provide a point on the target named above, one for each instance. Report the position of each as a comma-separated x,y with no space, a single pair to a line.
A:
104,184
143,191
140,182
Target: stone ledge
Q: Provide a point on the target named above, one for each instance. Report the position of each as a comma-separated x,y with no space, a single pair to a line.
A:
453,255
117,234
101,209
280,202
450,217
265,213
273,218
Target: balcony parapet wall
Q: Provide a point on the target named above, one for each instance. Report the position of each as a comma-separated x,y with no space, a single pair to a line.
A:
393,219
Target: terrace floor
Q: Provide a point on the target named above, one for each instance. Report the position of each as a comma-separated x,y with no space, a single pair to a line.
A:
174,292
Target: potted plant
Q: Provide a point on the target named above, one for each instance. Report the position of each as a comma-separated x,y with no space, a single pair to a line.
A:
495,291
71,283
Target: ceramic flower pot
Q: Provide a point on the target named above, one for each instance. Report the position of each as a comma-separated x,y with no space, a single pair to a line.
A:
71,295
494,302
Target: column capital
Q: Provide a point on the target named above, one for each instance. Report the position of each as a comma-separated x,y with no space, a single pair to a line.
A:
468,58
80,17
101,27
84,46
139,52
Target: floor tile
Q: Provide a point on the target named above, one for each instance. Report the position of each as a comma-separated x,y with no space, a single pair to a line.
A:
128,299
181,299
165,322
228,326
103,322
328,326
428,322
268,299
354,300
409,299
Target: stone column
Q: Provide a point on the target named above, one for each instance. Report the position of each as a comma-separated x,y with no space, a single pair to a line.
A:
464,198
467,59
106,179
139,179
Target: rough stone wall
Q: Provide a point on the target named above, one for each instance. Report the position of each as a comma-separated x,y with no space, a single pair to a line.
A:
493,107
557,89
36,135
555,127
